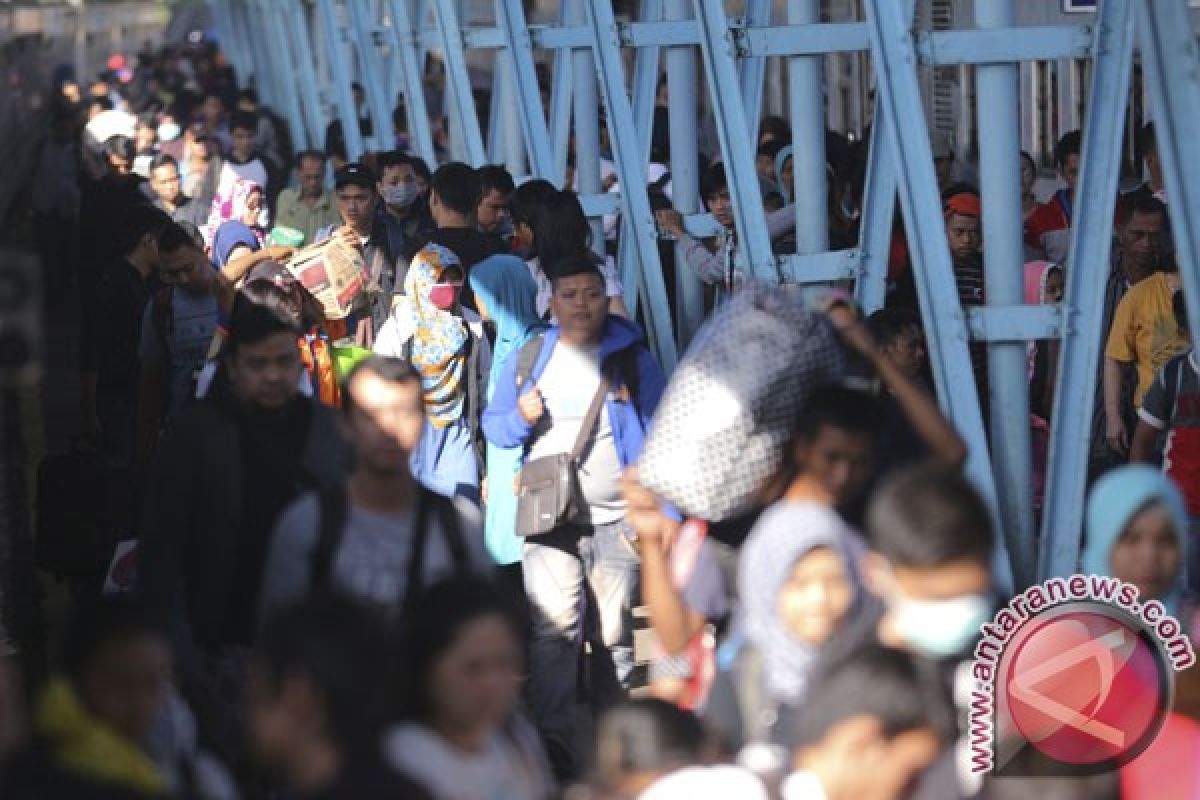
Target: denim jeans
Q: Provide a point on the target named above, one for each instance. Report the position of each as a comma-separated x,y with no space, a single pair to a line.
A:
573,575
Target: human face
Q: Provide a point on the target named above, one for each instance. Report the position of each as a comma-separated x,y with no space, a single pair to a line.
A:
265,373
120,164
253,207
278,717
1140,241
765,166
357,206
145,138
964,236
902,759
384,422
126,683
187,268
243,143
720,205
1070,171
944,169
786,175
907,352
473,684
1028,176
311,176
816,597
581,307
492,211
213,110
398,175
1147,554
1054,287
839,461
165,183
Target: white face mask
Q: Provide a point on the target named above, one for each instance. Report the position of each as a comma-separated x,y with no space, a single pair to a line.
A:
941,628
169,132
401,195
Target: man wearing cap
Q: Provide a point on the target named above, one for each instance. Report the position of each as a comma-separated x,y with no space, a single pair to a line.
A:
357,198
963,212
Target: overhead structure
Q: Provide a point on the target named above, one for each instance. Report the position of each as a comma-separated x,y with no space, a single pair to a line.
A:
384,44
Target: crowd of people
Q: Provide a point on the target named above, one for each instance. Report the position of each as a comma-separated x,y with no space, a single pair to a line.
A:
344,587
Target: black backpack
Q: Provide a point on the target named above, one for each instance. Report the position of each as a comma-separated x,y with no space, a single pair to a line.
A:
333,514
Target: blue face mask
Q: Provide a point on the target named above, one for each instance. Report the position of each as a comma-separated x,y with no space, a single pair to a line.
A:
942,628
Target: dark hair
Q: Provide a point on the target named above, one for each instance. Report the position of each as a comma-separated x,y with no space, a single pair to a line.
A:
494,176
568,265
355,86
386,368
888,324
1179,307
392,158
529,200
1028,159
163,160
1070,144
147,119
1146,203
902,693
309,155
432,624
835,406
209,144
260,309
713,181
1146,142
561,231
140,221
928,516
120,145
771,148
174,236
421,168
248,94
775,127
343,649
646,735
102,621
243,120
457,187
105,103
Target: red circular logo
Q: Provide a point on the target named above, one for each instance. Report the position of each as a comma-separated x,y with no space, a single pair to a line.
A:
1086,686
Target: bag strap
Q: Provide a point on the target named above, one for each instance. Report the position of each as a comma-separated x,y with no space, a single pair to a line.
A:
448,520
527,356
590,418
333,510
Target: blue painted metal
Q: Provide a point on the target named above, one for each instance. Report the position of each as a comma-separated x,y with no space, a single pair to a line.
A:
230,38
372,73
823,267
404,45
1014,323
458,83
347,113
1004,278
496,134
560,104
685,175
635,205
527,96
753,69
729,113
1091,243
295,19
288,82
1003,44
587,122
899,92
875,227
803,38
806,88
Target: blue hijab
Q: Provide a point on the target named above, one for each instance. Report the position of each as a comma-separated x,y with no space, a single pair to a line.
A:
229,235
1116,499
507,291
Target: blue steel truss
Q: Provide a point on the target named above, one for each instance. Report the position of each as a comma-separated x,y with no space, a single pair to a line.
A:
303,54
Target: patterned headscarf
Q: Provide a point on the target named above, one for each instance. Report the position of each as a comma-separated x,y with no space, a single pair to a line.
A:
768,558
233,207
439,337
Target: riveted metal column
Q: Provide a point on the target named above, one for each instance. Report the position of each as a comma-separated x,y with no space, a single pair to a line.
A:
753,69
458,80
404,44
295,18
342,93
1000,173
1090,248
561,96
526,96
895,59
276,28
587,122
371,68
879,209
685,178
635,205
810,185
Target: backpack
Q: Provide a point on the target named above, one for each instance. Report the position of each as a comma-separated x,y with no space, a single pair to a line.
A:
622,365
333,514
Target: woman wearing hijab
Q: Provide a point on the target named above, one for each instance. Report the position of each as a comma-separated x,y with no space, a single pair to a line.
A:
1043,286
801,599
430,329
506,296
238,243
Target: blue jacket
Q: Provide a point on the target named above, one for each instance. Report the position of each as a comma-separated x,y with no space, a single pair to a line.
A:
504,426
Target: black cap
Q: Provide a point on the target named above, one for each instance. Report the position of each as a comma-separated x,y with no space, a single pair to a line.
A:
354,174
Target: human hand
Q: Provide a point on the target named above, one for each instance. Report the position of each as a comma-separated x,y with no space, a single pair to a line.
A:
849,327
644,515
670,221
1116,435
531,406
349,236
281,253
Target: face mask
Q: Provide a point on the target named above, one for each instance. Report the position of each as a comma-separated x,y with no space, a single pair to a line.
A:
401,195
505,228
942,628
169,131
444,295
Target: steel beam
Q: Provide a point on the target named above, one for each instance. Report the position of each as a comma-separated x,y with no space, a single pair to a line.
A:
560,104
1014,323
1090,247
288,83
894,59
1003,44
300,38
526,93
464,119
730,116
341,79
372,72
807,98
587,122
879,209
685,176
635,205
753,68
404,45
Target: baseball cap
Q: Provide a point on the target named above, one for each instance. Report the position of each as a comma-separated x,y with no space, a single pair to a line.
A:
354,174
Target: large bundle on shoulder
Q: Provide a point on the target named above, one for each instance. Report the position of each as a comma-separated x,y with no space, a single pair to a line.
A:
333,272
733,401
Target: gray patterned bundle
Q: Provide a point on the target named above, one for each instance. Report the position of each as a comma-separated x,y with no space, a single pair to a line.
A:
733,402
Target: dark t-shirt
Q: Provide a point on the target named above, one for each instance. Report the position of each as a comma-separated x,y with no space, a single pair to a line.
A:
112,332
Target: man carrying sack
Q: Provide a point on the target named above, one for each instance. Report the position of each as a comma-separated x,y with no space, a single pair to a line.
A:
578,400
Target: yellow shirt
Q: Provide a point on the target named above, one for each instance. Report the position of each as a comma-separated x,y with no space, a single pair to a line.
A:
1144,331
292,212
